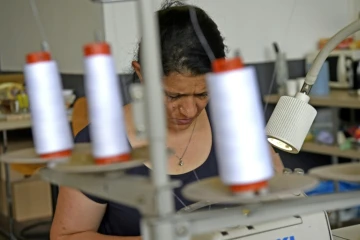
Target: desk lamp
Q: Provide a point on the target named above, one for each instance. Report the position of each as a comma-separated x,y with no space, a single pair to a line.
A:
293,116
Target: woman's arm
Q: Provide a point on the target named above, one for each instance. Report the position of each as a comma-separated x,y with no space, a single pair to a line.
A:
77,218
277,163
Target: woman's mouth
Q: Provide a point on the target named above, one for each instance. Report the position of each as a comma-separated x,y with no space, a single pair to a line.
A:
184,121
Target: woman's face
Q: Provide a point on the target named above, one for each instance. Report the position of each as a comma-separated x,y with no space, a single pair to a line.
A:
185,97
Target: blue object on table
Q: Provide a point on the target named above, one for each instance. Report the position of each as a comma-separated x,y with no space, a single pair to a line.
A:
326,187
321,86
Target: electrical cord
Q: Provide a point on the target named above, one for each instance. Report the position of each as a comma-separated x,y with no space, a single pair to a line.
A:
36,235
199,33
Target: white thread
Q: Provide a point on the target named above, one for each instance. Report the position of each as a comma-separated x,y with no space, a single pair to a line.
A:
243,154
177,197
187,208
51,129
107,128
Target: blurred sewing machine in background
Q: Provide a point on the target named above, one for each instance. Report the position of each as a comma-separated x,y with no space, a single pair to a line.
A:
308,226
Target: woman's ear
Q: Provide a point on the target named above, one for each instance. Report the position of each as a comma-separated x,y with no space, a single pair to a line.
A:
137,68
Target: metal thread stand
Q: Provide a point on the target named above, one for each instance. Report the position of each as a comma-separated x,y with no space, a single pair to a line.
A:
162,223
8,190
156,129
335,160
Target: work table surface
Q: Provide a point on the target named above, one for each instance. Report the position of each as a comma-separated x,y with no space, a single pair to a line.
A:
19,124
336,98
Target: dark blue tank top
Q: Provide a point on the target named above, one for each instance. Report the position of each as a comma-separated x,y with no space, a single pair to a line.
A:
120,220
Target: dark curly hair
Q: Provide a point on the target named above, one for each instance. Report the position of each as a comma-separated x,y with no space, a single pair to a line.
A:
181,50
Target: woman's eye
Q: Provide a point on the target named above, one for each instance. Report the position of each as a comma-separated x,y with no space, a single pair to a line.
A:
204,95
173,97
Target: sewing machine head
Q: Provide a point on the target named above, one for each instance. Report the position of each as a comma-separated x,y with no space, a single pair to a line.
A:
312,226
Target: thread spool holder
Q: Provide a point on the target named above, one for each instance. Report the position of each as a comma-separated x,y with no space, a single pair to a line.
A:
112,186
108,181
347,172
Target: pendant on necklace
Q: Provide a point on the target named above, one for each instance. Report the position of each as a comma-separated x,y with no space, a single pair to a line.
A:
181,163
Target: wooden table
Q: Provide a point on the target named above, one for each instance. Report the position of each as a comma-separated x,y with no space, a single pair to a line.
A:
15,78
336,98
4,127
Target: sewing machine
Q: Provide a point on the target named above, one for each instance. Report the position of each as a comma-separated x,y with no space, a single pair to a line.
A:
308,226
313,226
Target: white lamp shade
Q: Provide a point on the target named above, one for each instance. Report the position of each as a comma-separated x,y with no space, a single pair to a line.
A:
290,123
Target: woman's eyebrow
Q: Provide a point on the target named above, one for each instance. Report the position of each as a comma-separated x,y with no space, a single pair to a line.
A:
184,94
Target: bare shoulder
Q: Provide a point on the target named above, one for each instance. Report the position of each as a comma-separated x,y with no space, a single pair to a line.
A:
75,213
277,162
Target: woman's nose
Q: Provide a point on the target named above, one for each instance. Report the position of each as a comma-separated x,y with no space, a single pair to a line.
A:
188,108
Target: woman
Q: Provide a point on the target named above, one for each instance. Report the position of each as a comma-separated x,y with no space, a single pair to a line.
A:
185,63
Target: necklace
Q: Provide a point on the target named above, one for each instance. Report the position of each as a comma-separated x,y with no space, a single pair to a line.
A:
181,162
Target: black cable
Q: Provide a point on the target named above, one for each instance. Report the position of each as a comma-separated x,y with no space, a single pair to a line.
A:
200,35
37,235
4,233
43,235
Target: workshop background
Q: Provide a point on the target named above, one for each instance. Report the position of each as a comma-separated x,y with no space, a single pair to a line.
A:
299,28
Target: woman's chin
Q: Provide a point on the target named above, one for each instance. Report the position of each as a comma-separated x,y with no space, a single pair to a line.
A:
178,126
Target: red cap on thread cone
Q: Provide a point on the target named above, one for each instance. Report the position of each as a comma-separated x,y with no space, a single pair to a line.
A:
115,159
37,57
97,48
60,154
224,65
249,187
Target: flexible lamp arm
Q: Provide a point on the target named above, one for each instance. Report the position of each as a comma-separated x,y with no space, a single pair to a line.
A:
325,52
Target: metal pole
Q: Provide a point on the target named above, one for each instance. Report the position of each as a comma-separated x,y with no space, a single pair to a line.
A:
2,230
335,160
338,222
156,124
9,198
145,230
